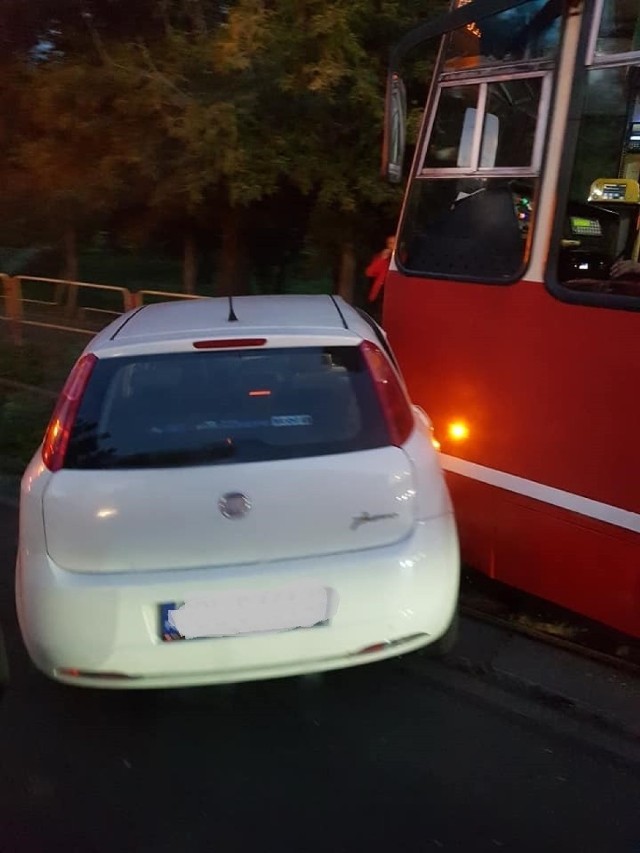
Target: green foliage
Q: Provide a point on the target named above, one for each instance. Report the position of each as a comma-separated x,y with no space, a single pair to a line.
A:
175,117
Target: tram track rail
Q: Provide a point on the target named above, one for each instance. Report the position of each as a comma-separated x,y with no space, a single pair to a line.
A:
508,623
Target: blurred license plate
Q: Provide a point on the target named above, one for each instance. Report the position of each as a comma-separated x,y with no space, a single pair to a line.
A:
237,612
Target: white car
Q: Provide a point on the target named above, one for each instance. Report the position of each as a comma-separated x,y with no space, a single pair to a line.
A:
234,490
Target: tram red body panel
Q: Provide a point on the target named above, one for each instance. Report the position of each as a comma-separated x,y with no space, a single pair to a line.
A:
552,553
549,392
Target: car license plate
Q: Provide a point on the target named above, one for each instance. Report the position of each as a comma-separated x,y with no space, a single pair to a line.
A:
242,612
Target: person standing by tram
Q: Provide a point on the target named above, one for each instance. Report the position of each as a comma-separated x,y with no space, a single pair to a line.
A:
377,271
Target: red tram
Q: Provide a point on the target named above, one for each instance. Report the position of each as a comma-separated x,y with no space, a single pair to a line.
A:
513,296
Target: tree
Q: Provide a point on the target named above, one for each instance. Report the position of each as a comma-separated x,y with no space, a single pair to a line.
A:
69,158
178,114
277,93
320,75
35,28
198,114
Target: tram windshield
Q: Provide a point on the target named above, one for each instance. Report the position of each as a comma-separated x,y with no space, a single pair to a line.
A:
471,201
529,31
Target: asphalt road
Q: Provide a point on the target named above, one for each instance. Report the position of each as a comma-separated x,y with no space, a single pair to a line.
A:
405,755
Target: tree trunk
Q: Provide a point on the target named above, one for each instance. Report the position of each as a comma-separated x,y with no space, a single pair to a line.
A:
189,264
70,273
347,272
70,253
231,278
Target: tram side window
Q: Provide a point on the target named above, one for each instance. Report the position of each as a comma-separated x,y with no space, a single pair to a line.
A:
619,30
508,135
449,140
600,243
470,205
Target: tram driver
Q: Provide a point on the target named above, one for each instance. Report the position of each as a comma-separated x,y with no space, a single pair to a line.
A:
625,269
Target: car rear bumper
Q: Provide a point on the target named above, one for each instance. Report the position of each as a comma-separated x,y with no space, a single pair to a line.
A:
104,631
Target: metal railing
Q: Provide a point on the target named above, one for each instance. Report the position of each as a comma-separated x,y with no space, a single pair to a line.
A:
55,303
140,296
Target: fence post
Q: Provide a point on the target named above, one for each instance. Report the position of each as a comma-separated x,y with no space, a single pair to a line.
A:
128,299
71,305
12,288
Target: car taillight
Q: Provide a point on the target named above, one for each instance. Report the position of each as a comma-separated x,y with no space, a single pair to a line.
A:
395,405
56,438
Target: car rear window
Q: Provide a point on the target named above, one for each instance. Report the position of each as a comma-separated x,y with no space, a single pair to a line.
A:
212,408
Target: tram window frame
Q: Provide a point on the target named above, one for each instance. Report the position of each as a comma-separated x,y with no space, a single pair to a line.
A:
586,62
543,70
452,80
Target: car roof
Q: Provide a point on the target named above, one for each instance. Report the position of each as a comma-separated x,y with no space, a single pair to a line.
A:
283,320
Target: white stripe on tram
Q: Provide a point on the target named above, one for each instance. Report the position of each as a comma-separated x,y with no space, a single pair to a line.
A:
547,494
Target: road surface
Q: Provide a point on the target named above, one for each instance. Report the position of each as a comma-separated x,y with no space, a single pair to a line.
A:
406,755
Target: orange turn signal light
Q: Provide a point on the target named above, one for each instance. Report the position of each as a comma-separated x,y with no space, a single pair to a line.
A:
458,431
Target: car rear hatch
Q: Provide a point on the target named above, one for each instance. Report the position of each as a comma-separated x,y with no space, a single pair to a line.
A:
184,460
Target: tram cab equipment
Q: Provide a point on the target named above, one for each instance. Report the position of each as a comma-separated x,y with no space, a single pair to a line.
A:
600,231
